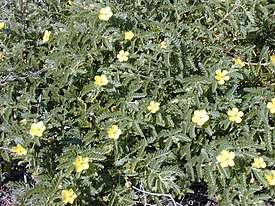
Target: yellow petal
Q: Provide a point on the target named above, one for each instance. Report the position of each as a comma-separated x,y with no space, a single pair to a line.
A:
231,163
218,72
238,120
269,105
224,164
224,73
226,78
231,155
221,82
240,114
272,59
235,110
2,25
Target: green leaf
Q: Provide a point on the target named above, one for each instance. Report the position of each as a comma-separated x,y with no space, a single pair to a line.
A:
137,128
36,141
159,119
5,155
260,177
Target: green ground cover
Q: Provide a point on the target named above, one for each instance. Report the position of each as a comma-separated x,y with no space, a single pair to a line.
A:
124,102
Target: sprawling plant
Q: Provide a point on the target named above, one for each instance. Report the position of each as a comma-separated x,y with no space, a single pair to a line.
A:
124,102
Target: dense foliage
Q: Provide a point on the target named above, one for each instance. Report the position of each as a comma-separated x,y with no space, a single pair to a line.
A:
96,114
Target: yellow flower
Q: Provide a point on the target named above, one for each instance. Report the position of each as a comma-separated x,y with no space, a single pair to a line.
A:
272,59
101,80
23,122
114,132
1,57
2,25
271,106
153,107
105,199
129,168
221,76
259,163
69,4
105,13
19,150
200,117
81,163
238,62
270,177
46,36
128,184
235,115
163,45
128,35
122,56
226,158
68,196
37,129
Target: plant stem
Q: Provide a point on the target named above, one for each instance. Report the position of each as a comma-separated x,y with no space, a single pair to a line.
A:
156,194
